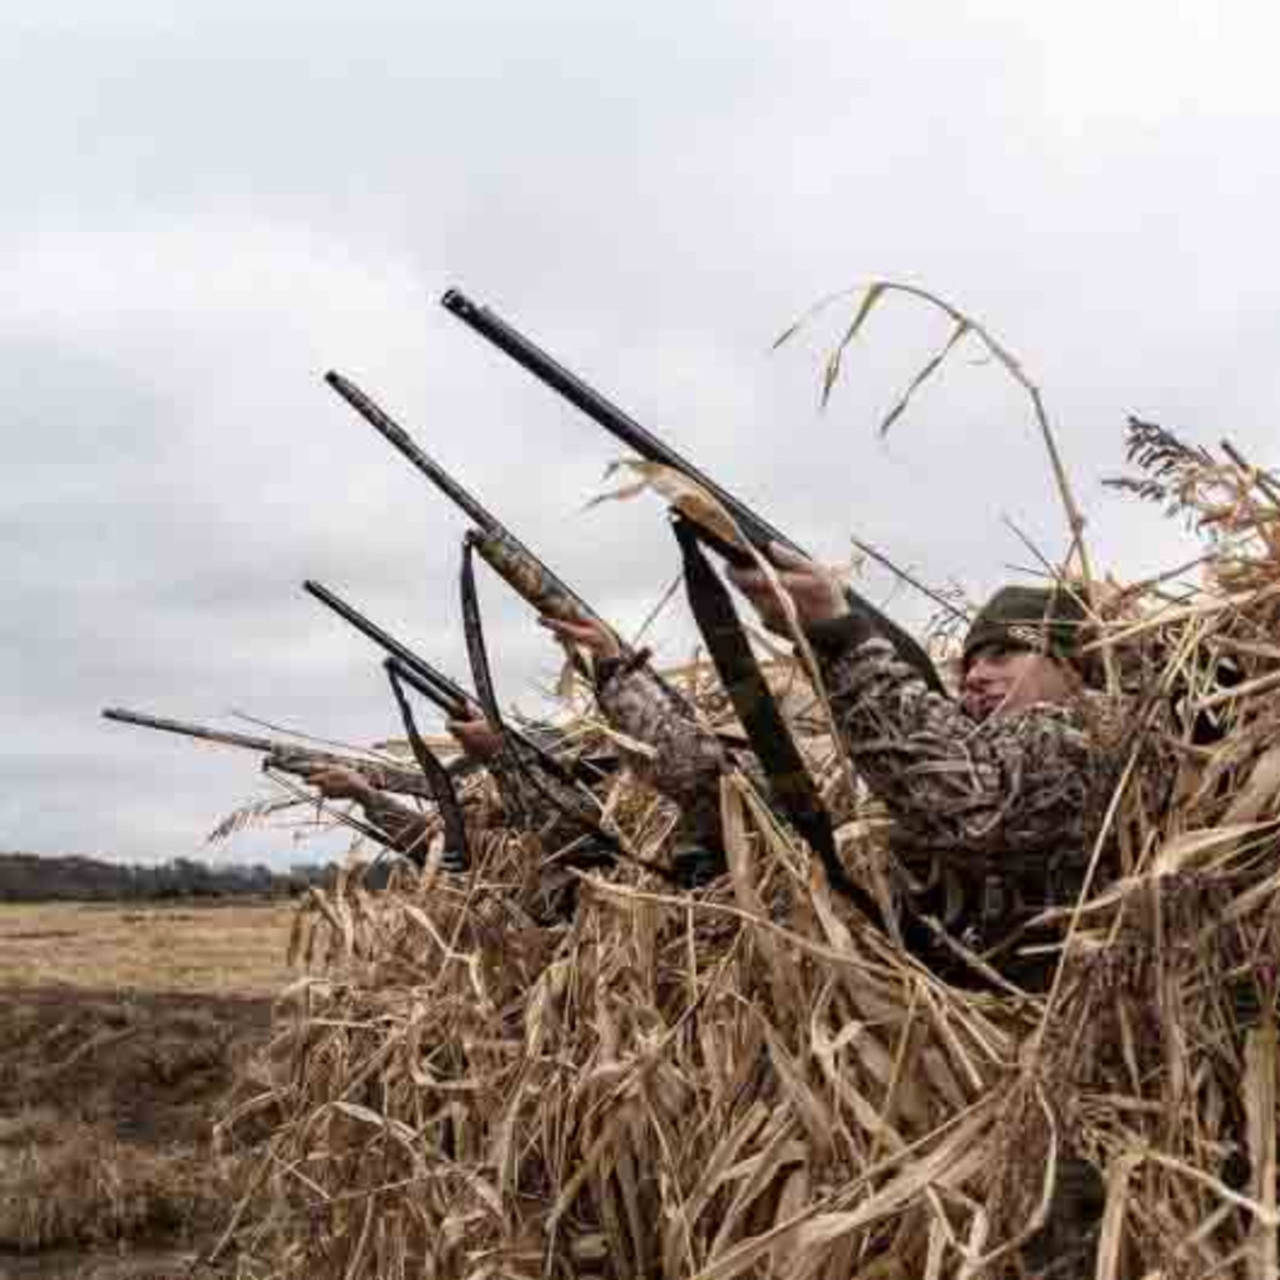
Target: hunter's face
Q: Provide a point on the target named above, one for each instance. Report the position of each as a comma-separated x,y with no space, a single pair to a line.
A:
1001,679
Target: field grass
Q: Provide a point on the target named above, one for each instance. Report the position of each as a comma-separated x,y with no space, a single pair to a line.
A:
123,1030
236,949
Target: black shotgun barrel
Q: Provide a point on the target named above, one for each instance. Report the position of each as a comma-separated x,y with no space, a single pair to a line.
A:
450,697
614,420
447,694
623,427
189,730
391,431
287,756
411,676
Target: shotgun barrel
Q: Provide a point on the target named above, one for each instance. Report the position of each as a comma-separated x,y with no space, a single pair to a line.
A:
286,756
622,426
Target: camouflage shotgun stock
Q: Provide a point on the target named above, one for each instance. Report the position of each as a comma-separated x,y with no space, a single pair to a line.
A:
285,756
650,447
528,577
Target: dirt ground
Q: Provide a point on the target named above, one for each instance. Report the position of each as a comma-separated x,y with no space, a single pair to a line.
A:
122,1032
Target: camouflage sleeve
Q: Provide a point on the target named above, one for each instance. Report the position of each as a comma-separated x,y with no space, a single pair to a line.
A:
1013,784
535,806
404,828
687,758
539,808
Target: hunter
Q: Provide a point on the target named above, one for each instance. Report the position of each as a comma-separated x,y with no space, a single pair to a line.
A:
999,794
687,759
403,827
1003,787
545,810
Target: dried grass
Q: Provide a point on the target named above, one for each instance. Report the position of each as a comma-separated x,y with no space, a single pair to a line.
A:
105,1131
750,1082
71,1183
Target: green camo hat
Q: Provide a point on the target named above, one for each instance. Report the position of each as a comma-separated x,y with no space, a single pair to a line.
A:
1045,620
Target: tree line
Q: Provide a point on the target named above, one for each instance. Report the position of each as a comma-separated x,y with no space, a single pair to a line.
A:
29,877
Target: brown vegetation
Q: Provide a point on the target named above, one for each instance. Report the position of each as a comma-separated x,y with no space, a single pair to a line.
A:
234,949
755,1083
108,1089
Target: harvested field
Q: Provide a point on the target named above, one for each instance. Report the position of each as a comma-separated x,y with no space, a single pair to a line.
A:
123,1028
235,949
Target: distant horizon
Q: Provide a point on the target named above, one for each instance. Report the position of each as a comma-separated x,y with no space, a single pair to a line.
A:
213,864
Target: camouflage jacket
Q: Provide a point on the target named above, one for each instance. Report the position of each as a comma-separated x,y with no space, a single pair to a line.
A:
401,825
687,758
545,807
535,801
994,818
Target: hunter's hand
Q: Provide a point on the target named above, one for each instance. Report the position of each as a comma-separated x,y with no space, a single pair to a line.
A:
813,590
588,634
477,738
336,783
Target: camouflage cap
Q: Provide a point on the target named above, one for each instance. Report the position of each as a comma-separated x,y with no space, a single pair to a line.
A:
1045,620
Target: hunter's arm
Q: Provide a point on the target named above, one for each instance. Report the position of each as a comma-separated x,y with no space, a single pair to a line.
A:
687,759
1006,785
521,803
405,829
537,798
534,806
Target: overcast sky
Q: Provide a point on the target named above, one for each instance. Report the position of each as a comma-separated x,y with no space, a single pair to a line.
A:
208,205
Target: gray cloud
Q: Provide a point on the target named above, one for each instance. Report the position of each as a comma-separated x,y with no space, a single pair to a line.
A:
208,207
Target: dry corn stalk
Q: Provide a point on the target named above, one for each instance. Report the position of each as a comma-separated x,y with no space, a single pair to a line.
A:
753,1083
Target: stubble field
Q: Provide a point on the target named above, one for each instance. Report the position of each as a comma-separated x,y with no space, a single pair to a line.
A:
123,1028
